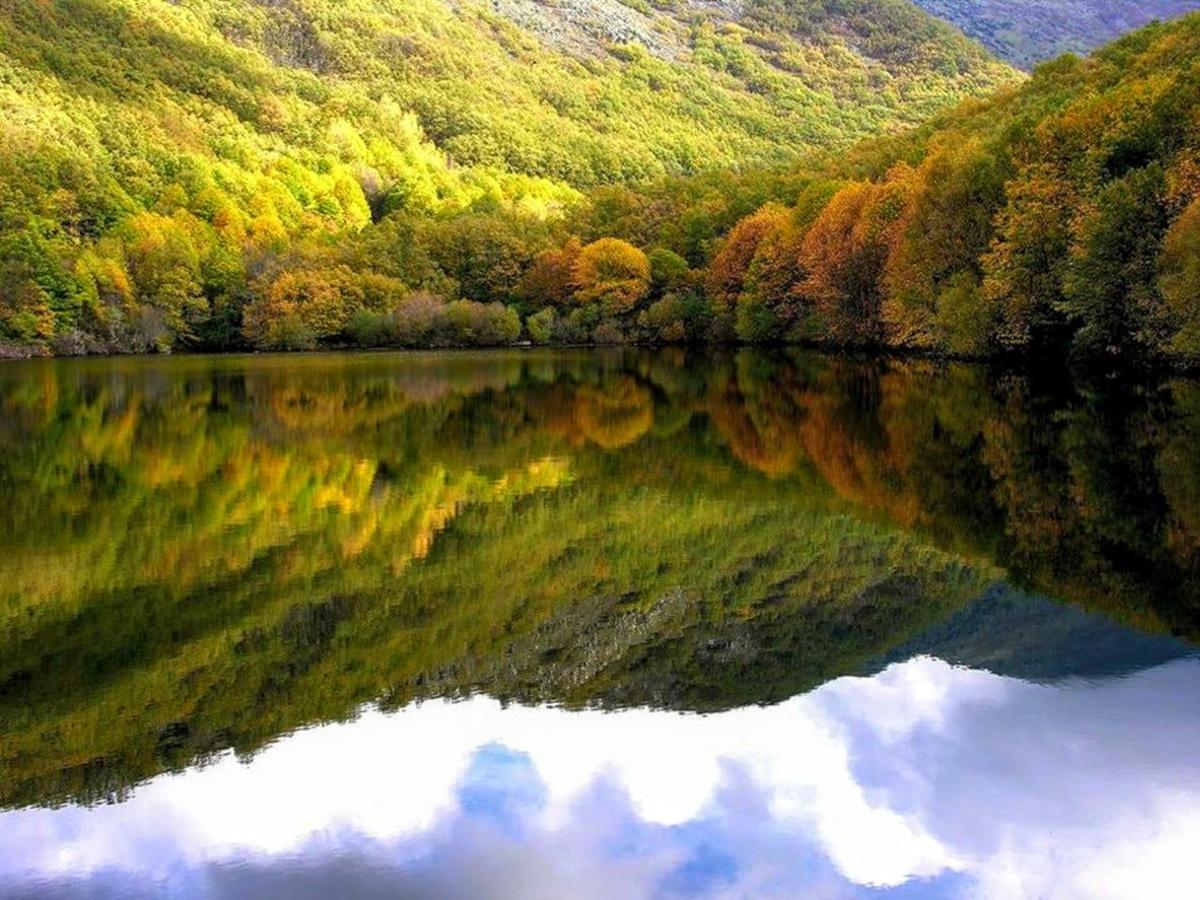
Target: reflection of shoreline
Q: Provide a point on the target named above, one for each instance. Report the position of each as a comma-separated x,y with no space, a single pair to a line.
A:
863,782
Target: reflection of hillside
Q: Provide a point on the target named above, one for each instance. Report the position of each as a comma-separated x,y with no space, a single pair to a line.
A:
1036,639
208,553
1089,497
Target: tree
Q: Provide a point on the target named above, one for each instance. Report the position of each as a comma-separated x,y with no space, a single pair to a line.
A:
1023,269
302,307
612,273
1110,292
668,271
729,267
772,283
1179,282
944,228
485,255
164,265
844,254
550,281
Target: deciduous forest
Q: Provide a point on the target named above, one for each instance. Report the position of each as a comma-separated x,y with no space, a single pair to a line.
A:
215,175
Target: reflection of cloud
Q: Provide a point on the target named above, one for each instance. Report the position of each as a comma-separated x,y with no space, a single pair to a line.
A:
980,783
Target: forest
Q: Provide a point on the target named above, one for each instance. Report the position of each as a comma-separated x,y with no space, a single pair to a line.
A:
202,176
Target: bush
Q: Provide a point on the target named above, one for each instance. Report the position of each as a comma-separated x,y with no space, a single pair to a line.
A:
577,327
419,320
756,322
288,332
609,332
472,324
541,326
663,321
370,329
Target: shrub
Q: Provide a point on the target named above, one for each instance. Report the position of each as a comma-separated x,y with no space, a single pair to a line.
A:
473,324
419,320
608,332
370,329
756,322
663,320
288,332
541,326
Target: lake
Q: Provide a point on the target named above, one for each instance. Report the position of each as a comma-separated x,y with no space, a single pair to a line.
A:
593,624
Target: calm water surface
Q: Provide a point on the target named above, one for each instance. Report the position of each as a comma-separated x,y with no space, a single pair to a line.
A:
528,625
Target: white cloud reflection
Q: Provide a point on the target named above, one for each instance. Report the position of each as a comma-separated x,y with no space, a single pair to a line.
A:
925,778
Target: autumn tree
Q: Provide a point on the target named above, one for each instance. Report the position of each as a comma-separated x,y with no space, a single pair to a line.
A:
934,260
301,307
729,267
550,281
613,274
844,254
1179,282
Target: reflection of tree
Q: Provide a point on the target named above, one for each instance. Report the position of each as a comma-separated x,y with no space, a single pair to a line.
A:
199,555
615,414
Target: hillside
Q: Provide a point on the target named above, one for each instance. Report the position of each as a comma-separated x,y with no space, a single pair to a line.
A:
155,156
1027,32
217,176
1058,218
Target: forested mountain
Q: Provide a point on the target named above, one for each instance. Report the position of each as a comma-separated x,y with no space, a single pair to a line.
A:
208,175
1026,32
1061,216
155,155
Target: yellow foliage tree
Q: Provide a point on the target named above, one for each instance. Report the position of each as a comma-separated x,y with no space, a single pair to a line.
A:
613,273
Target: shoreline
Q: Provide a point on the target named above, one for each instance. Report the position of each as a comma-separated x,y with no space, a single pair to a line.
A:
1019,363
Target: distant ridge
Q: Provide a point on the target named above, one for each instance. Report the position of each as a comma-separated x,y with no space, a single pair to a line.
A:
1027,32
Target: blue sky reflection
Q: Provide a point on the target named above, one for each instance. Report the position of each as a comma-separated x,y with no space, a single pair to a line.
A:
923,780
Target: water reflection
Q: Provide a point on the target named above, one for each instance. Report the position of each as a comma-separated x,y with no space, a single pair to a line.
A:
936,780
198,557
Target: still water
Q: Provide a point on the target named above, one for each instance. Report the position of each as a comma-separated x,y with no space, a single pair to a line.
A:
624,624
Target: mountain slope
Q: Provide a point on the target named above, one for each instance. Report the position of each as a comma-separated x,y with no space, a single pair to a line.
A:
157,155
1062,216
1026,32
710,84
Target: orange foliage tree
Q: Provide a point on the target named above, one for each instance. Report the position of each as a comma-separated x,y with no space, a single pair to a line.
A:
300,307
550,281
729,267
844,253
